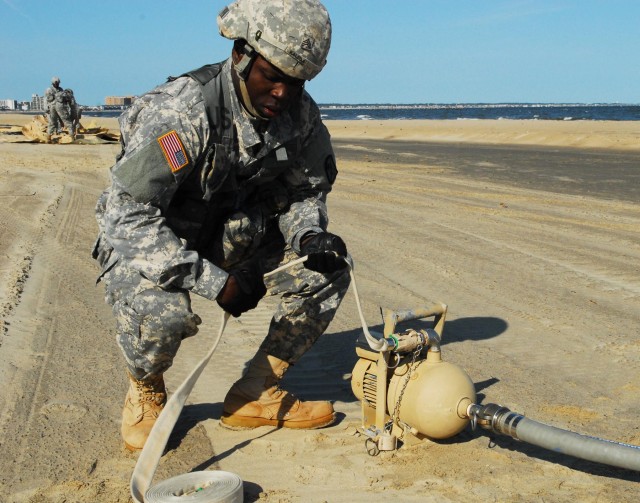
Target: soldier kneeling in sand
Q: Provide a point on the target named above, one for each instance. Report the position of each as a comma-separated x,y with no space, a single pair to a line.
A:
223,176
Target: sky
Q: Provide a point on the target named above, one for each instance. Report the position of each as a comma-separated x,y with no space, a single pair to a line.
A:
382,51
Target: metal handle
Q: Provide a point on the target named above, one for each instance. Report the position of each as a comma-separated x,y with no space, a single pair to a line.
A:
392,318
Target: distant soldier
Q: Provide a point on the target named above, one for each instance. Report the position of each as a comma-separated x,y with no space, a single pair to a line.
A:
54,124
59,105
73,107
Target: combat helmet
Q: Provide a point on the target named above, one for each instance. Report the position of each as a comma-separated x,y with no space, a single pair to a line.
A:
55,81
292,35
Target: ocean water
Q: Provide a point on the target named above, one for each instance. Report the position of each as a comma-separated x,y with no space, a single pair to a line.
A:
520,111
468,111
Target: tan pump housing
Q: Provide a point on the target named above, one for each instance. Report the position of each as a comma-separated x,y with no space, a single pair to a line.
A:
412,393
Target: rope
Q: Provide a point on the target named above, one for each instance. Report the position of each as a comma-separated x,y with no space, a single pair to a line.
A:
203,486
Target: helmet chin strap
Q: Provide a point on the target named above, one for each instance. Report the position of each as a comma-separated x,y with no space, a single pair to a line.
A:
246,101
242,68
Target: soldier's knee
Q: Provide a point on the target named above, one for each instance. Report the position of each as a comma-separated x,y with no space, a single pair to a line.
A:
166,313
151,329
161,317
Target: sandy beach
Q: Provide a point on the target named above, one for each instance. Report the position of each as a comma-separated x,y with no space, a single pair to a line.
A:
542,285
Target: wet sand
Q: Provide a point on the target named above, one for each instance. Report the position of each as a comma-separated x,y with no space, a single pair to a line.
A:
611,174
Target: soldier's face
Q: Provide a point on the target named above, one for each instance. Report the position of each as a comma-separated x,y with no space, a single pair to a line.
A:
271,91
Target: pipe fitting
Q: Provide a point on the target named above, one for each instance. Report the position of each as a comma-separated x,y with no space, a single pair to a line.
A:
486,416
501,420
411,340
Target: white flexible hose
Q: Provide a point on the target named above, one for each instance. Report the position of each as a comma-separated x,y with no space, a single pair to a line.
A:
197,487
377,344
203,486
154,447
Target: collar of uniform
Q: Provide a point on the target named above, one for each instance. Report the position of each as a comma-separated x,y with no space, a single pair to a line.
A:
254,141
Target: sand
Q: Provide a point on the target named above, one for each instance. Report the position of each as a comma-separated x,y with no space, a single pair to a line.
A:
543,292
579,134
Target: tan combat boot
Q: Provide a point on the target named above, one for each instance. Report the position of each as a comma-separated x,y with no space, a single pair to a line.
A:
142,406
257,400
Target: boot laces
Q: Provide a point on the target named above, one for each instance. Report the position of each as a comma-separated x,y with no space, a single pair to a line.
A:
149,399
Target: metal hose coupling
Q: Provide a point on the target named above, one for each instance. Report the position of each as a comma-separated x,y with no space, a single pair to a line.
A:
501,420
495,418
412,340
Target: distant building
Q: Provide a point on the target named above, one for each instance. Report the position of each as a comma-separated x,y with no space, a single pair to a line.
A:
8,104
37,102
122,101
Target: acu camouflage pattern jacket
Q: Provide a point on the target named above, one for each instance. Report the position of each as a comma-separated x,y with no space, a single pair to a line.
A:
178,177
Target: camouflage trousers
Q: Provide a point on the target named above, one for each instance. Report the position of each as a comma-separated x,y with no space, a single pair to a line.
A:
151,322
58,114
54,125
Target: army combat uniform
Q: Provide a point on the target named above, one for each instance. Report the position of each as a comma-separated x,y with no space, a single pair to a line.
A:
59,108
54,124
199,188
74,109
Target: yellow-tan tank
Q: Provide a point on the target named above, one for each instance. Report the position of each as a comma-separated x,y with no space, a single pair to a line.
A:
434,401
436,397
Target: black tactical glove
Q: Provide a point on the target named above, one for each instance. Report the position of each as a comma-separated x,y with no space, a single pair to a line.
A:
242,291
326,251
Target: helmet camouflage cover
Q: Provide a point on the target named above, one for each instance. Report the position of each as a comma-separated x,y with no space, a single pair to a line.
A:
55,80
292,35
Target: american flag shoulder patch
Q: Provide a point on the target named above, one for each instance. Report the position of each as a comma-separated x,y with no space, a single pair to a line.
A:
173,150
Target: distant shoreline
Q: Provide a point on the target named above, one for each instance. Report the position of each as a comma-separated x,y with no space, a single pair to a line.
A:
458,111
615,135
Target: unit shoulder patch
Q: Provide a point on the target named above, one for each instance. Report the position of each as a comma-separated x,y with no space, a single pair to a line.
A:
173,150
